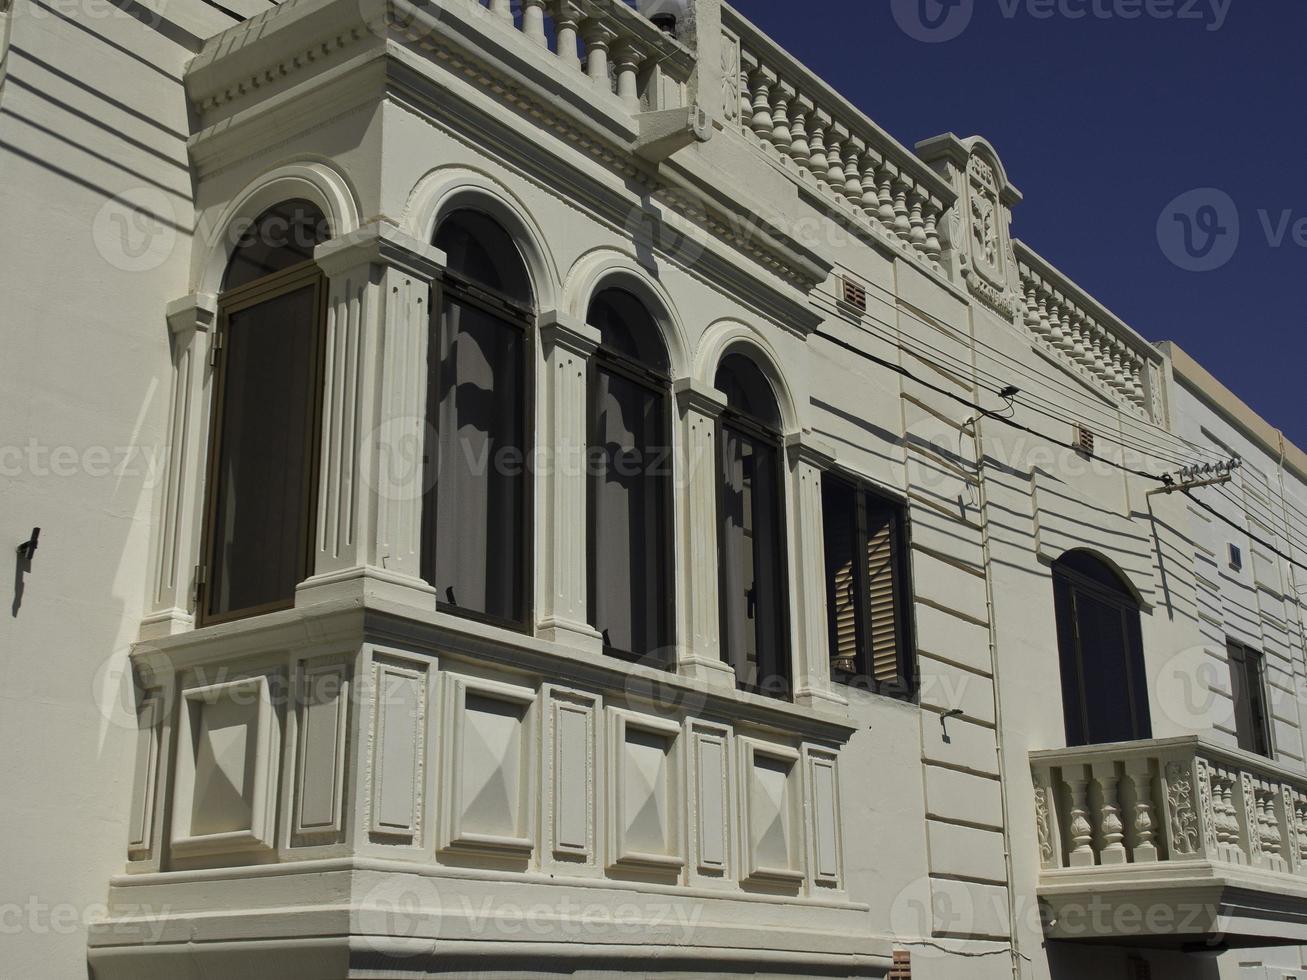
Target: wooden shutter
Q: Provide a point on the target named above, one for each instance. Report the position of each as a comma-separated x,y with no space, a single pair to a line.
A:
882,594
842,592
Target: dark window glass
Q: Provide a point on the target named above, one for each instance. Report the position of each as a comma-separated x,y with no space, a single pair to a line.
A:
1104,687
867,589
1248,686
261,488
475,513
260,495
630,465
282,237
754,609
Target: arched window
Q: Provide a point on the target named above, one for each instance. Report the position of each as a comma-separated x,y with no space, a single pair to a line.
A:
1104,687
475,527
630,480
264,442
752,520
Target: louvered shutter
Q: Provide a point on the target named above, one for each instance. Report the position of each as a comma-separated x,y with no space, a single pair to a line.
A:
839,519
882,596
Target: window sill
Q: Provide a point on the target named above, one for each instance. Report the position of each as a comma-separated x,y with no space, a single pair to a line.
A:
347,621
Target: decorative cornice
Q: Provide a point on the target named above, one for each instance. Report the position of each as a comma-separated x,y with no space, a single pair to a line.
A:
559,329
692,395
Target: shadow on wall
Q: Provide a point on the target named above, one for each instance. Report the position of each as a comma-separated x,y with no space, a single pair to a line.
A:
1069,961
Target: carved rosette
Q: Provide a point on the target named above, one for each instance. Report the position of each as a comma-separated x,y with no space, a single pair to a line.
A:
731,92
1184,818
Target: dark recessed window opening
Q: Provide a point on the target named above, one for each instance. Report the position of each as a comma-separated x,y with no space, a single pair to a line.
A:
868,589
630,474
1248,687
260,494
1100,642
475,527
754,610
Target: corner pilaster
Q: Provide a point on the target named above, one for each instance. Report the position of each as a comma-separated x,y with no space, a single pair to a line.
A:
169,608
367,533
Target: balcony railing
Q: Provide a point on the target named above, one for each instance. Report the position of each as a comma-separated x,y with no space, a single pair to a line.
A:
1077,331
824,141
1177,819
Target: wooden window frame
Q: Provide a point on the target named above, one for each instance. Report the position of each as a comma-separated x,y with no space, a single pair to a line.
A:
751,428
614,362
238,300
907,686
450,285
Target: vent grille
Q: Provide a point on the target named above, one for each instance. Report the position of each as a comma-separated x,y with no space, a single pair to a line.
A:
855,295
902,968
1085,439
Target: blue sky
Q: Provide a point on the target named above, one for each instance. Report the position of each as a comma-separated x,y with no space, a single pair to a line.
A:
1103,121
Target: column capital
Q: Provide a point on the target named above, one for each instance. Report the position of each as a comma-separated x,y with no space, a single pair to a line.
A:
805,447
693,395
198,311
560,329
380,243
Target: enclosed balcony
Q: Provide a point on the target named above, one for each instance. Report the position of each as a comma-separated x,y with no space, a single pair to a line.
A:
1170,842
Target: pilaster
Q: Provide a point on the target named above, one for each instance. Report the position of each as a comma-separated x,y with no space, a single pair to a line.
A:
367,532
169,606
699,653
563,609
808,458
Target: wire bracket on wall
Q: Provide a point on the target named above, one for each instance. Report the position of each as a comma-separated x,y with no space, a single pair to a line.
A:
1192,477
27,549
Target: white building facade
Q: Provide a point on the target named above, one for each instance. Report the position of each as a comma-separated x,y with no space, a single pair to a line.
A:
551,487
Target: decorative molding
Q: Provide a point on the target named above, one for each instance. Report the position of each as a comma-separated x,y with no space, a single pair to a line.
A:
1184,818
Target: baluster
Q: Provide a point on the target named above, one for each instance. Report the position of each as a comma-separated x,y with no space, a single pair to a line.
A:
1228,821
853,151
1070,345
916,218
1103,353
760,82
885,175
567,21
1045,328
1033,322
1111,829
627,59
598,38
835,138
800,148
1137,380
1144,825
817,161
870,200
934,248
533,22
1272,839
1118,368
781,136
1080,833
1084,341
902,221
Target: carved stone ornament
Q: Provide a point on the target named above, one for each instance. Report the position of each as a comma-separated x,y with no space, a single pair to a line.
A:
1207,804
1184,818
731,77
1043,823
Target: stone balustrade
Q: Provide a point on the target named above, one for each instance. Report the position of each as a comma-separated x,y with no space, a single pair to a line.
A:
826,142
1167,802
1066,323
613,45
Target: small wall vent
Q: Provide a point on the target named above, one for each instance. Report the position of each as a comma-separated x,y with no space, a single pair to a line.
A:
1084,439
854,295
1236,558
902,967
